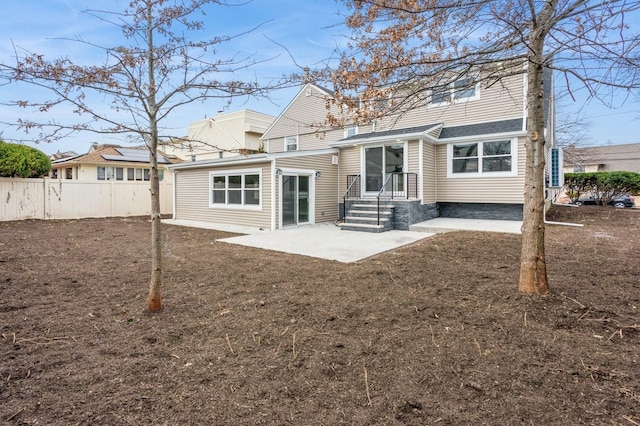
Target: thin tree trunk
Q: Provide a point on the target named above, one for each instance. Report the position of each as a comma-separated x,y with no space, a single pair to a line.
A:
155,286
533,267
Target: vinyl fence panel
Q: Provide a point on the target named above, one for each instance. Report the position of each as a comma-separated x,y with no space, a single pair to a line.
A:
71,199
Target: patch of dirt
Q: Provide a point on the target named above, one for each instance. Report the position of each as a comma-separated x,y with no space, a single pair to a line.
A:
433,333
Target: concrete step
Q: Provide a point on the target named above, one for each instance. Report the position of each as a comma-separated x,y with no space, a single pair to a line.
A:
362,227
365,219
372,205
371,213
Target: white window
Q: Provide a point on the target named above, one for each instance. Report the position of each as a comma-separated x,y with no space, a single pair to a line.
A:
109,173
464,89
291,143
350,131
238,189
492,158
141,174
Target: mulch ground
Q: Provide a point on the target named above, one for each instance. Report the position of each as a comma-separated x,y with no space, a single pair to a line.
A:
433,333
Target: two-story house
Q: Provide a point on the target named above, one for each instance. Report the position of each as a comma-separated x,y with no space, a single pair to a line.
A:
460,154
226,134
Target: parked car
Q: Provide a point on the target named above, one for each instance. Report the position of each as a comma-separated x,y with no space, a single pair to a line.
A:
620,202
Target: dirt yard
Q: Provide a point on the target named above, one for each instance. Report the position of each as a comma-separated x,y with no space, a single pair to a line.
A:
433,333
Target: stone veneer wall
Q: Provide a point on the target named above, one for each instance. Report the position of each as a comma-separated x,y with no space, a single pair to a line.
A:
481,211
409,212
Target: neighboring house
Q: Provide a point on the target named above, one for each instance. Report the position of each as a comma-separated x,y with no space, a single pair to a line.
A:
62,155
460,154
111,163
625,157
224,135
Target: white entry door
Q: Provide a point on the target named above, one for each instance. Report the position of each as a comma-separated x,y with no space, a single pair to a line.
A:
379,162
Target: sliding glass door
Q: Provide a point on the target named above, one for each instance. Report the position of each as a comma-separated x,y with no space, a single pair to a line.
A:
295,200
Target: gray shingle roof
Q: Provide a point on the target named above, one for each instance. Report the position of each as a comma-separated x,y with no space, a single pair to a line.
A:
390,133
504,126
329,91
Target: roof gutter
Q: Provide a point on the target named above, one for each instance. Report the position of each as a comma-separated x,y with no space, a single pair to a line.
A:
381,138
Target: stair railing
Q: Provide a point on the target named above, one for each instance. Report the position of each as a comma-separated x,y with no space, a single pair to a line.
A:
353,191
382,190
410,185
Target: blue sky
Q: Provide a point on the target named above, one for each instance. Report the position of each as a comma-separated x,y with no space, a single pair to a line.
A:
310,29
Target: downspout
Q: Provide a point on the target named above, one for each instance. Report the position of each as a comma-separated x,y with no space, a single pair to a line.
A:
421,169
175,196
273,194
435,176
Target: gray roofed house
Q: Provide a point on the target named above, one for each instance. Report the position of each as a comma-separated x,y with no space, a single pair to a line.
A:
459,154
623,157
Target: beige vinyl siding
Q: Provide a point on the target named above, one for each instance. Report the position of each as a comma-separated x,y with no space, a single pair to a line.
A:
274,145
498,102
507,189
413,163
305,114
306,142
192,198
413,154
429,173
319,140
349,165
326,207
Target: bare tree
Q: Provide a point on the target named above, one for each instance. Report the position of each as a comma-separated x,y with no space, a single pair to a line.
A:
423,45
572,129
160,69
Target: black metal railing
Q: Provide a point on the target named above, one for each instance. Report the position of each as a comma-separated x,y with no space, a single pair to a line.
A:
353,191
398,185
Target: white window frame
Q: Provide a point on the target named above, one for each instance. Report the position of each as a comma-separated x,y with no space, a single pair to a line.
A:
312,193
452,98
480,173
140,174
110,173
350,131
289,146
242,205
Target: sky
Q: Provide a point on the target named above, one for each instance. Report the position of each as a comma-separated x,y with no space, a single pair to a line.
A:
310,30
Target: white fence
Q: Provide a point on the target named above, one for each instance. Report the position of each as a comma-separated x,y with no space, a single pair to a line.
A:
72,199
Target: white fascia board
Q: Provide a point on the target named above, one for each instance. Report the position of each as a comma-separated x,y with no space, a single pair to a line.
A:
219,161
245,160
399,136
